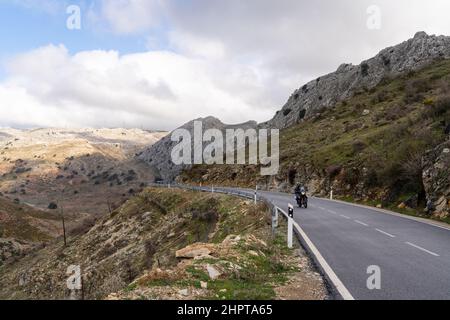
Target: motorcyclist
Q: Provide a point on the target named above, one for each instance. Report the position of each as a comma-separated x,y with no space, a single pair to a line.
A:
300,194
298,189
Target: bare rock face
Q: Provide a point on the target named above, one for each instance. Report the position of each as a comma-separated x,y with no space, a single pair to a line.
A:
326,91
158,156
195,250
436,178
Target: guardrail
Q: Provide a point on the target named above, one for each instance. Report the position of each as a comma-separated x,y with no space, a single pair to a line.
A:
249,194
324,267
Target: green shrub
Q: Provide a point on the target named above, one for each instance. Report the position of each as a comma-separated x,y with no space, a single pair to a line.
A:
351,176
381,96
439,108
428,102
415,89
371,179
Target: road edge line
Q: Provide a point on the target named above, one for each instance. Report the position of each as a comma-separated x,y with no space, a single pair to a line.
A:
320,260
392,213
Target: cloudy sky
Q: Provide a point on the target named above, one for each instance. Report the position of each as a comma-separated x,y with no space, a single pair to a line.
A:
156,64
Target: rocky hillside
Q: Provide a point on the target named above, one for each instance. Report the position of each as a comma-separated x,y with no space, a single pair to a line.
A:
387,146
23,229
84,170
348,79
436,178
163,244
158,156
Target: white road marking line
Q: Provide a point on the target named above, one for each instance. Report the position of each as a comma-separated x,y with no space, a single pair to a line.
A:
395,214
361,223
384,232
344,216
331,211
340,287
321,208
423,249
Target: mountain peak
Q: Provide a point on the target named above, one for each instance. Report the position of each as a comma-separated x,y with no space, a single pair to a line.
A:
420,35
326,91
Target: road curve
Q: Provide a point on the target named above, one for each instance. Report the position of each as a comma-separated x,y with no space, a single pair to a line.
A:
413,256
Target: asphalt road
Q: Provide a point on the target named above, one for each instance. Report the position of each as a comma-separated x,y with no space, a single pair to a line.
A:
413,257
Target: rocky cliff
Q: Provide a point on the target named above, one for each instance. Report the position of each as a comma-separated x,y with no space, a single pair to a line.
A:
326,91
436,178
159,155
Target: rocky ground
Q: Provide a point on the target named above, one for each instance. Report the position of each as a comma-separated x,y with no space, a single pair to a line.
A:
85,170
163,244
24,229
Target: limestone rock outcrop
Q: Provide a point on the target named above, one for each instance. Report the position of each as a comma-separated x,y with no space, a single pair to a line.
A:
436,178
348,79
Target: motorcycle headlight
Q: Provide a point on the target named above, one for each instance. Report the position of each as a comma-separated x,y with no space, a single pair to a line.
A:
303,193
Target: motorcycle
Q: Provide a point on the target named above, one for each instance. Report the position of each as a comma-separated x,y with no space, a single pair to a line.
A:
302,199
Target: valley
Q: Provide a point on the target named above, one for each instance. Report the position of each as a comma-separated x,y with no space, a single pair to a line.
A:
85,171
377,134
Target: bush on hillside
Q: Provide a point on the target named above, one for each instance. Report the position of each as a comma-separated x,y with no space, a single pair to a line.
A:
371,179
333,170
53,206
438,108
351,176
415,89
381,96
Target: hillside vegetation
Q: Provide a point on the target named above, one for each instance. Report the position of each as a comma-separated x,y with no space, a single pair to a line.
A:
369,147
83,169
22,228
171,244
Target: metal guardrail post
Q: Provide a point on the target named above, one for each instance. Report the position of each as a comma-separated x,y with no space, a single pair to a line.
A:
290,232
274,220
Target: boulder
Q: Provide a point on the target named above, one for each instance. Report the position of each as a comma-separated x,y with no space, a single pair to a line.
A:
253,253
195,250
183,292
213,272
231,240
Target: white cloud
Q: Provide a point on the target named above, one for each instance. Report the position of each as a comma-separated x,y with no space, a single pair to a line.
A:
234,59
193,45
157,90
